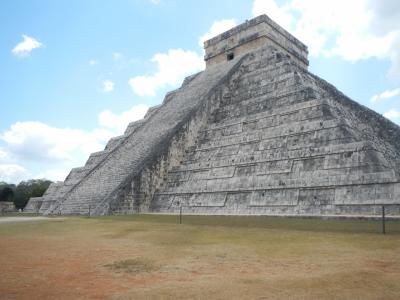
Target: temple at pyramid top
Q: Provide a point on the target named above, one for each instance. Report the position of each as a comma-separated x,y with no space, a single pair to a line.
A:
251,35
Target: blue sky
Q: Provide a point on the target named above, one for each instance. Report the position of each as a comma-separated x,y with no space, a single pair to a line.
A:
74,73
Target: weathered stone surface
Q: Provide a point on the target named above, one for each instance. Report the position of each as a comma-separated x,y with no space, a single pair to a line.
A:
7,207
33,205
256,134
255,33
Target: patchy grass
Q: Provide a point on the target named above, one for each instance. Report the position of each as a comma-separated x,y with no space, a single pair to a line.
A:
154,257
135,265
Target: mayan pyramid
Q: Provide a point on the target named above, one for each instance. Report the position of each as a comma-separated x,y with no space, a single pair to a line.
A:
254,133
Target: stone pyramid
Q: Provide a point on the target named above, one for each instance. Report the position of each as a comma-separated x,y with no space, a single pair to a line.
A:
254,133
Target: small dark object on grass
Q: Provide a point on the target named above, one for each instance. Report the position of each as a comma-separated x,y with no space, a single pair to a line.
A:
134,265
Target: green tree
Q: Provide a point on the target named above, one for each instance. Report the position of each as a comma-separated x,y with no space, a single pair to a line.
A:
5,184
6,194
22,195
28,189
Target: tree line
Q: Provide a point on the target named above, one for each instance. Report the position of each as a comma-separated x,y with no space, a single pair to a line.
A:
20,193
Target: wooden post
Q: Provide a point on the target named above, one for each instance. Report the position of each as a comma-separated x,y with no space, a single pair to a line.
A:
89,212
180,214
383,220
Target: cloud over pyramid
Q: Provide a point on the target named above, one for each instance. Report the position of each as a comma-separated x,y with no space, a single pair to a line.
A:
254,133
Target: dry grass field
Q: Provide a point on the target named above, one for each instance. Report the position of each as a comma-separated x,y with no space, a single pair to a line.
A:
154,257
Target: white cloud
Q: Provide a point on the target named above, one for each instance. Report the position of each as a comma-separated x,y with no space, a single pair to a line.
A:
119,122
352,30
13,173
4,156
117,55
36,141
385,95
176,64
93,62
392,114
108,86
172,69
54,150
217,28
279,14
25,47
155,1
53,174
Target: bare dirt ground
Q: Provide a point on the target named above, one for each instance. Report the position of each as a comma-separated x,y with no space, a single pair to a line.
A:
153,257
